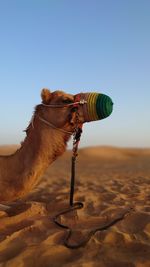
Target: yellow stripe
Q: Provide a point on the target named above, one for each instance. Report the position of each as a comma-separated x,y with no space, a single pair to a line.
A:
92,106
88,107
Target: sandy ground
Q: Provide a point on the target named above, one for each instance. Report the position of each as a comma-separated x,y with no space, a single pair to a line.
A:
109,181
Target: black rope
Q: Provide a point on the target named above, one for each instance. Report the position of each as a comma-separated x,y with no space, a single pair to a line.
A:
79,205
72,180
76,141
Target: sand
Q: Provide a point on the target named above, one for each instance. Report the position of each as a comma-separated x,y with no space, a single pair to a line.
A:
109,181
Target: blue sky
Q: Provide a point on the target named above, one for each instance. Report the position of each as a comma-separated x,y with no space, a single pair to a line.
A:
80,45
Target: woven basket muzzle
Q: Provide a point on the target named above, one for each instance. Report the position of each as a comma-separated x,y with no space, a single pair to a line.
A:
98,106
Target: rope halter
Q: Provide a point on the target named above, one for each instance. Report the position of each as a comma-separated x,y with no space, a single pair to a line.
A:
75,104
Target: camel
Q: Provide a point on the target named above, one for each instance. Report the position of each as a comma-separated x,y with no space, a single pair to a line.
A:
46,139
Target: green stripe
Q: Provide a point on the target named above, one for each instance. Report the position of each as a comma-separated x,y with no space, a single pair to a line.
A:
104,106
94,107
105,113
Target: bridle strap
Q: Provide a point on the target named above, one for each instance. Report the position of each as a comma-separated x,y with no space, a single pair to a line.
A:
53,126
80,102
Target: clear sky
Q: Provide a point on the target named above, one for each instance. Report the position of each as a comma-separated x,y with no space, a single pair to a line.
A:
80,45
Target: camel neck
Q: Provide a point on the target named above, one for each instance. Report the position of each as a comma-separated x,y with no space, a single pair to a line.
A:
40,148
42,145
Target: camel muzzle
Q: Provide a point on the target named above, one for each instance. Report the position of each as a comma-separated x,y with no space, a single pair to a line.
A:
96,106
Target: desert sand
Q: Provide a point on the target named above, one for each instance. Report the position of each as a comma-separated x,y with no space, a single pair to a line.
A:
109,181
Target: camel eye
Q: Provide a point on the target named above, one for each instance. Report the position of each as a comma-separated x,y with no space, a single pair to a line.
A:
67,101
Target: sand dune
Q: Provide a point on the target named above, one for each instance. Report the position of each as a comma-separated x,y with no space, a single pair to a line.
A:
109,181
8,149
114,152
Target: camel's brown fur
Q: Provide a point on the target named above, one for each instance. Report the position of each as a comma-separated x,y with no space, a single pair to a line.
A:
21,171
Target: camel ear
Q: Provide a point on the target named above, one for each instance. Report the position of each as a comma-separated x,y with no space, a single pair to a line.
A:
46,95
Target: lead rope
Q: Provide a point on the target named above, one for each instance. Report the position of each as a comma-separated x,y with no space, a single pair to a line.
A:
79,205
73,205
76,140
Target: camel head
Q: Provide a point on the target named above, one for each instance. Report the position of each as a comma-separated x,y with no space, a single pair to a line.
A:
58,109
64,110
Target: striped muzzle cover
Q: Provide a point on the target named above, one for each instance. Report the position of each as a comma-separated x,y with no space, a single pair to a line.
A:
98,106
